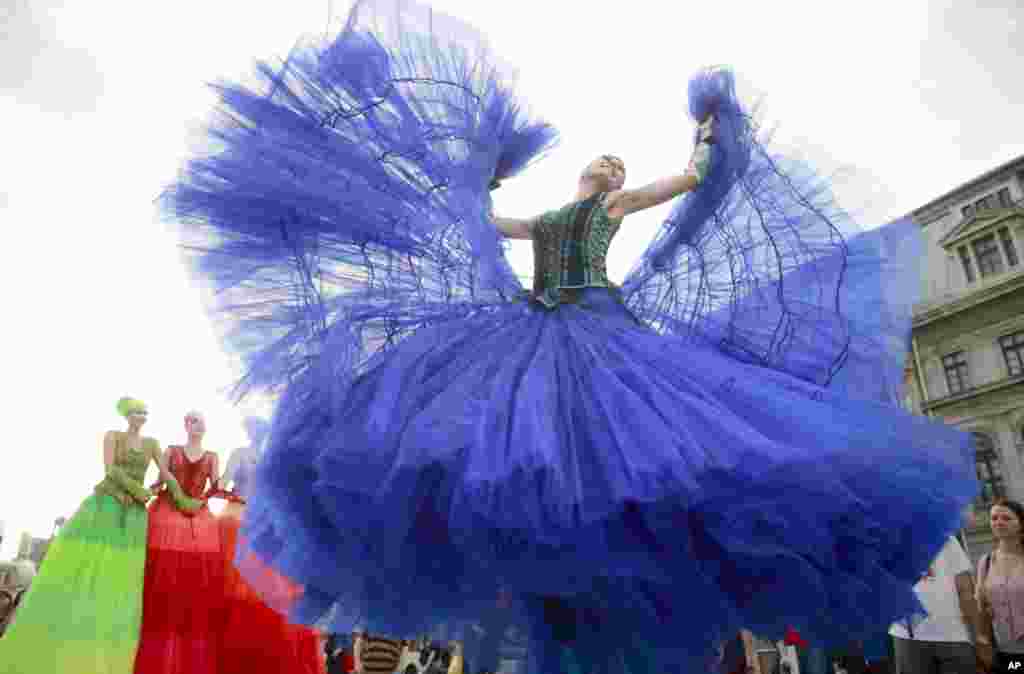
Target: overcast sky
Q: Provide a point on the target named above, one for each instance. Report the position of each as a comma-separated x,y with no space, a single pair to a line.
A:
98,107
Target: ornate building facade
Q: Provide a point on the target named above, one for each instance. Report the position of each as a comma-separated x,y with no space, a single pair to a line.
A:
968,331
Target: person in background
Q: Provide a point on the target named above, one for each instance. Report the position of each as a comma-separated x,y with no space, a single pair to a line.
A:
256,637
18,573
358,641
378,655
338,654
15,578
941,643
457,663
348,659
82,612
183,595
1000,591
738,656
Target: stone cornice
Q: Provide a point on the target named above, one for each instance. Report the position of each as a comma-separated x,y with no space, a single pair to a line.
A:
938,208
978,224
940,404
1013,282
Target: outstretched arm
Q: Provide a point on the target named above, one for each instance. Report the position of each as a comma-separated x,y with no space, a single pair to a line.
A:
624,202
513,228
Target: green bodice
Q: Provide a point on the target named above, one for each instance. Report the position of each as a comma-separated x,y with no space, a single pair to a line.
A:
132,463
570,247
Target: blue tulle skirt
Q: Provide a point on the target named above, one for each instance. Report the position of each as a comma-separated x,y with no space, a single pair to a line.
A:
577,454
643,478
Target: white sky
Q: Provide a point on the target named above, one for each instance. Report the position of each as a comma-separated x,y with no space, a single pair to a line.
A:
97,106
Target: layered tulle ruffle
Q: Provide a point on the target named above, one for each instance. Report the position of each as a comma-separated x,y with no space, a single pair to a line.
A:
257,638
183,602
83,611
578,455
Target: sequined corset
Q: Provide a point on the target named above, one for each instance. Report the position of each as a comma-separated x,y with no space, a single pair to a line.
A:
570,247
191,475
132,461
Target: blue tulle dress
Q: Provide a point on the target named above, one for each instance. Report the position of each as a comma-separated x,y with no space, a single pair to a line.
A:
643,469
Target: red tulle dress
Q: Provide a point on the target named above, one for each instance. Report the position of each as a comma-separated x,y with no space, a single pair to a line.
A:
183,594
257,638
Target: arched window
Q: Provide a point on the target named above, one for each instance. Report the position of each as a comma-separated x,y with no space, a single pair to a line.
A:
990,473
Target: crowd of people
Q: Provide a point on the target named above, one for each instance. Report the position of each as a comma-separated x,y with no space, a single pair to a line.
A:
974,620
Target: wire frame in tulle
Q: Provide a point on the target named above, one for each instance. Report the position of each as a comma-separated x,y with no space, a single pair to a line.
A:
344,207
346,203
754,261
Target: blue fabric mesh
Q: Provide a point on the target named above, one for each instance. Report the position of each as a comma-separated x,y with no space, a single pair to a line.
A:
709,442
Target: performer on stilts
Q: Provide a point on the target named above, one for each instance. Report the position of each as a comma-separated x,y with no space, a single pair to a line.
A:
183,599
653,466
256,638
83,610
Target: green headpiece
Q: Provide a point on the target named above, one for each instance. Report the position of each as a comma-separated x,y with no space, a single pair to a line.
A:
126,406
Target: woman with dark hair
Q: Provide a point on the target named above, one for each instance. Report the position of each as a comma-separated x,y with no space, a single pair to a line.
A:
1001,588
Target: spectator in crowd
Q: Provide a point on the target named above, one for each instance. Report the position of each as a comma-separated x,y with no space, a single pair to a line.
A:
378,655
1001,589
15,578
941,643
335,651
18,573
738,655
457,664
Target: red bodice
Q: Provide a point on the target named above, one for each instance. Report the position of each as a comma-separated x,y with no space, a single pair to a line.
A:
191,475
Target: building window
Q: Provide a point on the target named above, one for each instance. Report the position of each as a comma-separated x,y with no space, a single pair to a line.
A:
955,365
990,475
965,260
1004,198
1013,352
986,251
967,211
1008,248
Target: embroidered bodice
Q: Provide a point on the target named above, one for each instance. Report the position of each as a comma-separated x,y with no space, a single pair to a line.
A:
132,463
191,475
570,247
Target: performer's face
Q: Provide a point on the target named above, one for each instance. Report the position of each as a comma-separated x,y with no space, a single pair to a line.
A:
196,426
137,418
1004,521
608,170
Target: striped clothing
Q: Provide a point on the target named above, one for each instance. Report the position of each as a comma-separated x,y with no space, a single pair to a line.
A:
379,655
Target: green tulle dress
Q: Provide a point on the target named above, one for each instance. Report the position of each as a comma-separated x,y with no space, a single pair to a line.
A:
83,611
